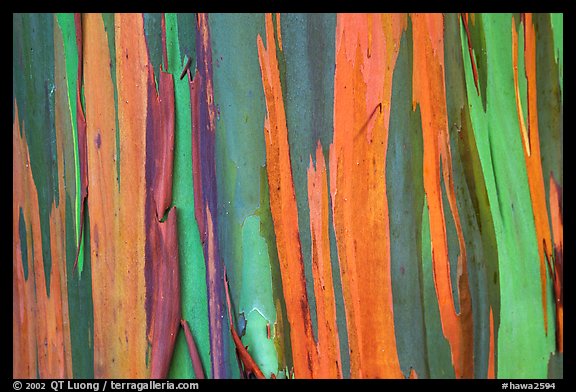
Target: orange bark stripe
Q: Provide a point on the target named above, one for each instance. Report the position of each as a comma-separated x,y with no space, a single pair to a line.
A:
284,210
117,216
49,357
365,60
429,92
534,162
328,345
279,31
62,126
23,305
101,147
56,304
532,152
131,63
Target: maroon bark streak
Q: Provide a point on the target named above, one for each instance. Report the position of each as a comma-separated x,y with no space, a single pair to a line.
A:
165,138
82,146
164,51
166,301
206,212
163,308
196,170
193,350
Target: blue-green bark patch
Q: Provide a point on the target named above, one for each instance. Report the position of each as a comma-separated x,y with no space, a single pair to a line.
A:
33,87
23,243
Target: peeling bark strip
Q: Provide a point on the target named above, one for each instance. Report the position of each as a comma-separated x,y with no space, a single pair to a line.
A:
159,160
163,312
166,313
165,153
284,210
206,198
429,92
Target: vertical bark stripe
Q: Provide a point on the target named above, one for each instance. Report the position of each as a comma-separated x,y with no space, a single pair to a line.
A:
365,60
429,92
284,210
328,345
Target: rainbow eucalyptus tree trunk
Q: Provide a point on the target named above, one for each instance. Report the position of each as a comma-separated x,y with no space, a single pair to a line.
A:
287,195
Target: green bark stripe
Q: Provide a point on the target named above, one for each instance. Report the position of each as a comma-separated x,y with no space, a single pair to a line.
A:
79,287
256,300
80,308
281,341
523,348
471,200
153,33
240,152
240,149
558,33
187,36
307,66
488,170
68,29
33,88
191,257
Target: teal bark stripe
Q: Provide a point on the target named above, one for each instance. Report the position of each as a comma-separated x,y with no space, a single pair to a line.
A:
33,87
240,154
405,193
523,348
80,308
23,243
